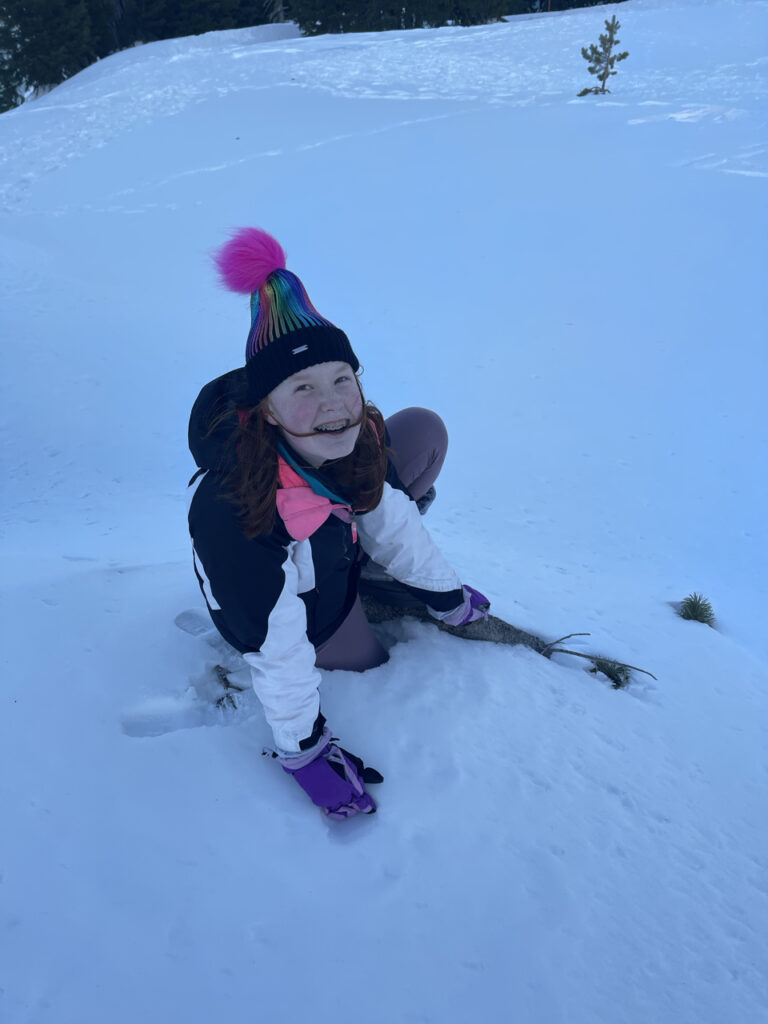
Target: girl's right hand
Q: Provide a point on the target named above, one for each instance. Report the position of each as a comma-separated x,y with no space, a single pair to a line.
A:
335,781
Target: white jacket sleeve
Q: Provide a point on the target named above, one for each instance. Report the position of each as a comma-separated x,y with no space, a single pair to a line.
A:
283,672
394,535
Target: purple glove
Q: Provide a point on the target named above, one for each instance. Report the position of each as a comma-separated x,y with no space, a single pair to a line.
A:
474,607
334,779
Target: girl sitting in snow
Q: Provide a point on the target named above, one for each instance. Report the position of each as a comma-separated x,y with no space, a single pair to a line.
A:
301,483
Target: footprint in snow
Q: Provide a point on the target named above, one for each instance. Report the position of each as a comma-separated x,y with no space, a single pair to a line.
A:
220,695
203,703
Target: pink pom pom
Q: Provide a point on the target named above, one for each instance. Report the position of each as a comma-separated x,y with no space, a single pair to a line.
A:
247,259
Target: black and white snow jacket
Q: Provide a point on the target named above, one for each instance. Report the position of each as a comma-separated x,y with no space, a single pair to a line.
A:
275,599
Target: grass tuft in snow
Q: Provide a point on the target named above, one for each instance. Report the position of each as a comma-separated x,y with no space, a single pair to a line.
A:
697,608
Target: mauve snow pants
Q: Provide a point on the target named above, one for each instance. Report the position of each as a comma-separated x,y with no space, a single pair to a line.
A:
418,442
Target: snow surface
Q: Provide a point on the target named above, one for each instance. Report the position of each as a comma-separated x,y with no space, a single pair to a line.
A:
578,287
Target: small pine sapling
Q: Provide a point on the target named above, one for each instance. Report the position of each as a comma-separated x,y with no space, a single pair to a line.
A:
602,58
697,608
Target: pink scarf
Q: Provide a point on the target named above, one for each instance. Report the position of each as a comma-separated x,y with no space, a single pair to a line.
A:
301,509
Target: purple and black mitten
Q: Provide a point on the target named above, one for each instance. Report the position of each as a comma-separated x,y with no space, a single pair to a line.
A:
334,779
475,606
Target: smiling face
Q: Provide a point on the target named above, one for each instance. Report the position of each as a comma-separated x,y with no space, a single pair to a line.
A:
318,411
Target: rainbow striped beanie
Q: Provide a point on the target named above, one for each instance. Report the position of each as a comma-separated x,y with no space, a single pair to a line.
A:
287,333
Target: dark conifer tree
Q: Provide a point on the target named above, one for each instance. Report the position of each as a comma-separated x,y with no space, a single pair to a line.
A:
192,17
102,18
155,19
537,6
318,16
147,20
43,42
126,17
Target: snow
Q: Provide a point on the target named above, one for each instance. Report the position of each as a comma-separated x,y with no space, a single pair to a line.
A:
577,286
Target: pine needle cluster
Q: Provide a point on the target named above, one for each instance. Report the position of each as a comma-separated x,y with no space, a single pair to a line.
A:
602,58
618,673
697,608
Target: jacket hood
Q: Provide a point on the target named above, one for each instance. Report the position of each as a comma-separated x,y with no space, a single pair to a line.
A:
218,401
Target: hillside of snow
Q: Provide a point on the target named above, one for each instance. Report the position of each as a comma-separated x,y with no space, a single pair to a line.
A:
578,287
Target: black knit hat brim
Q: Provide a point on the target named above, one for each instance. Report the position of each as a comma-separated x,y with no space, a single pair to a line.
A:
295,351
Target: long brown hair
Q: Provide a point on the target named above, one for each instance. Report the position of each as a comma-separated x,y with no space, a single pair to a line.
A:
252,484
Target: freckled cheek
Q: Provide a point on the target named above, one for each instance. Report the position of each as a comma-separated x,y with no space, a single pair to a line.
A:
299,416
